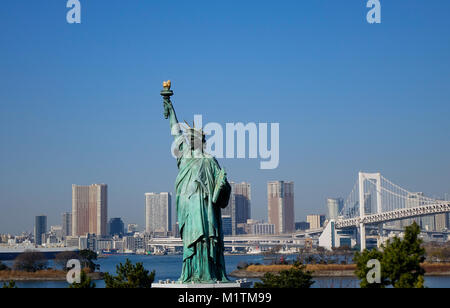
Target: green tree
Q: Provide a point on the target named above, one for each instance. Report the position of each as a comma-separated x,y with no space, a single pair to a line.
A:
11,285
130,276
30,261
87,258
85,282
400,261
361,260
296,277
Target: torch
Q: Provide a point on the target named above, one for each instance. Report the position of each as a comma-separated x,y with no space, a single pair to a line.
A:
166,94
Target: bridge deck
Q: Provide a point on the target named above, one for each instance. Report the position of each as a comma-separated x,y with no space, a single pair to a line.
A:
424,210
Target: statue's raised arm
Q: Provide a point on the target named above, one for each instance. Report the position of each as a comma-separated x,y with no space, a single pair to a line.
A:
169,111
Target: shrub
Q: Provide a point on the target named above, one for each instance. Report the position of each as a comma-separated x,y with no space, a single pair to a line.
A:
295,277
130,276
30,261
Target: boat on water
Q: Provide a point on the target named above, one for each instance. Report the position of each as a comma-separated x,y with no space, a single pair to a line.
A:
254,251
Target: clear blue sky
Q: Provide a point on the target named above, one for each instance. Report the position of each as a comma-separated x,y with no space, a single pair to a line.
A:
80,104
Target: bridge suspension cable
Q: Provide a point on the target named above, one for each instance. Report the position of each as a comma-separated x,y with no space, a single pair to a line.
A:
393,197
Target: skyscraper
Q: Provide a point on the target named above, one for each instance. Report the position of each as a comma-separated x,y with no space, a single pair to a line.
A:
67,224
40,228
89,209
335,206
116,226
280,197
158,212
239,206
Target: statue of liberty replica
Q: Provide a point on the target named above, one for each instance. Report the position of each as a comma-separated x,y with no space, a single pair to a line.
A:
202,190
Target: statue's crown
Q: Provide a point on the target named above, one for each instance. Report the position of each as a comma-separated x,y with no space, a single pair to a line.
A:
194,132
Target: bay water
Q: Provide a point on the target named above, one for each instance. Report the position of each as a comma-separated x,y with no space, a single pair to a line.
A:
169,267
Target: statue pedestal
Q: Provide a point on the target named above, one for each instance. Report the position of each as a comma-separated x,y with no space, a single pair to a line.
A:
239,284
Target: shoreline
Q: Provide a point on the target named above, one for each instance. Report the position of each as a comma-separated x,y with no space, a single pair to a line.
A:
329,271
41,276
240,274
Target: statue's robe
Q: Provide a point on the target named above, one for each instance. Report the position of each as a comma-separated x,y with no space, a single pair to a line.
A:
202,190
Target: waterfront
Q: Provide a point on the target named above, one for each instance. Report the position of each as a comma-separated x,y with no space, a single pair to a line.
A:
169,267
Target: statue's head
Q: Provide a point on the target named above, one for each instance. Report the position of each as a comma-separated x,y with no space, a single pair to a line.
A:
197,138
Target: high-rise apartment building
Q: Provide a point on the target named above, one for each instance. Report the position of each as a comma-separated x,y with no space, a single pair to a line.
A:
239,206
335,206
315,221
66,224
90,210
280,197
40,228
158,212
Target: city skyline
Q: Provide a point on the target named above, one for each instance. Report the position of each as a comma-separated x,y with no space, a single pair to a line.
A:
349,97
244,188
321,211
280,206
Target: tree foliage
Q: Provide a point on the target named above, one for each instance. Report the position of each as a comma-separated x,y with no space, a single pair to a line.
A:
30,261
87,258
130,276
11,285
296,277
85,282
400,261
361,260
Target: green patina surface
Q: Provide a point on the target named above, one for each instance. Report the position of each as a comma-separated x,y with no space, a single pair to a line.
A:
202,190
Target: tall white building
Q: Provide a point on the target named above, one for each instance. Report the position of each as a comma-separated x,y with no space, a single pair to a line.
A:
335,206
158,212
